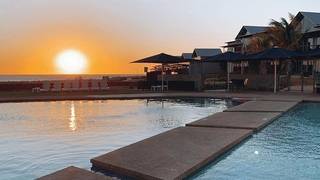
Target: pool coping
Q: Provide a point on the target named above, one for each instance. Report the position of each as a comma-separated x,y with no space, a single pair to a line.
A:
146,95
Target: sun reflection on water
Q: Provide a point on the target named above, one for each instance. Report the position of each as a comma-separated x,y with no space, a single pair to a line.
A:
73,120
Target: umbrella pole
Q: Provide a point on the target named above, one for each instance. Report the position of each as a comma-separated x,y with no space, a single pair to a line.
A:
228,76
241,65
162,77
275,77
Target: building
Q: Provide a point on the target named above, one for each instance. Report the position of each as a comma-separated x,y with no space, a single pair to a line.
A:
244,37
187,56
309,25
198,67
202,53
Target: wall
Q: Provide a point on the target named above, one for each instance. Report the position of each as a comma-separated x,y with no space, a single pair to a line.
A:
256,82
208,68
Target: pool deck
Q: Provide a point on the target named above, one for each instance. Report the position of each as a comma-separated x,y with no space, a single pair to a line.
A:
178,153
243,96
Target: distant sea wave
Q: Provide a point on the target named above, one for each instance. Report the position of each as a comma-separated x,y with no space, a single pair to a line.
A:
5,78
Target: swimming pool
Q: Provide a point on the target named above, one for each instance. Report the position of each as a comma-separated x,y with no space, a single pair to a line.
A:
39,138
289,148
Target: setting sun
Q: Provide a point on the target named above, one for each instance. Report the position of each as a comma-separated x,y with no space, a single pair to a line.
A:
71,62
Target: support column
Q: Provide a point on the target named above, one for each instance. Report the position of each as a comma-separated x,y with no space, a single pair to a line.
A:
202,76
162,78
275,77
289,74
228,76
302,78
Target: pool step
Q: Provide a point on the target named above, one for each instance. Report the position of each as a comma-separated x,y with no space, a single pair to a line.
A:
74,173
237,120
264,106
174,154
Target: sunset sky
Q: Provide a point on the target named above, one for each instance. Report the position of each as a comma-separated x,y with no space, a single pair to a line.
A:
112,33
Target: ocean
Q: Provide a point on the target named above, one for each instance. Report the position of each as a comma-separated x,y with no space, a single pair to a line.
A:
6,78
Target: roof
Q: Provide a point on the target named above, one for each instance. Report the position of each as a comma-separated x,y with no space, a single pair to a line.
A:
161,58
206,52
187,56
251,30
312,21
313,16
233,43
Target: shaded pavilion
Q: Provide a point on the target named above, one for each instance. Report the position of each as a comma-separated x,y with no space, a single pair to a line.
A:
274,55
226,57
163,59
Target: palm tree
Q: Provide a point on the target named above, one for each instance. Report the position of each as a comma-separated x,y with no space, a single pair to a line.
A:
281,33
285,34
259,43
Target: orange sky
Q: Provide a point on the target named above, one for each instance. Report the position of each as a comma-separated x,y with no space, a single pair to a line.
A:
113,33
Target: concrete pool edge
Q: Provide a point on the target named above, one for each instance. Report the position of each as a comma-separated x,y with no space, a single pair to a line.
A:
297,102
237,96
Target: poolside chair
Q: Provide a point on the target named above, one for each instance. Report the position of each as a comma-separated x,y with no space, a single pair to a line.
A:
51,87
236,84
56,86
96,85
62,86
84,85
245,83
76,85
104,85
90,84
45,86
68,85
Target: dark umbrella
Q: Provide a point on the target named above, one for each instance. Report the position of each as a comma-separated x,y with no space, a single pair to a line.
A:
313,54
275,54
162,59
227,56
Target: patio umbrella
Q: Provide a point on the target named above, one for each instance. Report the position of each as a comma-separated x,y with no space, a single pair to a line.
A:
313,54
226,57
276,55
162,59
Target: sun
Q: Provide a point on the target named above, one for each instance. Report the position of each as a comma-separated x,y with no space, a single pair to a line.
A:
71,61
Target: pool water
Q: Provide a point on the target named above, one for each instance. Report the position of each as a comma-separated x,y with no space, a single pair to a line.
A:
39,138
289,149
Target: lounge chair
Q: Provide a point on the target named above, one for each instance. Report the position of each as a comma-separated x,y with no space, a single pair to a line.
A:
45,86
56,87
